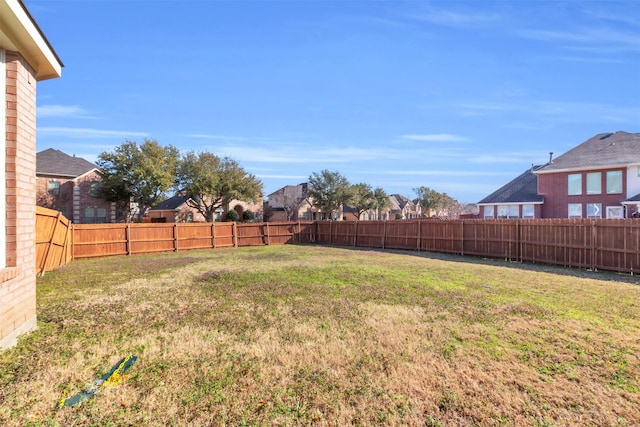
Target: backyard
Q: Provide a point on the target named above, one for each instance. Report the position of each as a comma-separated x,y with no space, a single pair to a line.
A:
319,335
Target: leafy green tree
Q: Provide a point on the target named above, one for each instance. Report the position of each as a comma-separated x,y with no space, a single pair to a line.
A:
381,200
213,182
138,173
328,191
364,198
433,202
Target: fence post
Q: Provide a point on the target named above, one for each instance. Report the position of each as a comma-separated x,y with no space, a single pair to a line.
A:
462,237
268,235
355,234
593,245
384,233
128,238
175,237
213,235
418,243
299,232
234,232
330,235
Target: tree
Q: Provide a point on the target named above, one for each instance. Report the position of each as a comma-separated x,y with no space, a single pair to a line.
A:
364,199
381,200
139,173
440,204
213,182
328,191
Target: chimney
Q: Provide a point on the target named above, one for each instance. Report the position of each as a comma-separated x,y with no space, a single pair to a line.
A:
550,157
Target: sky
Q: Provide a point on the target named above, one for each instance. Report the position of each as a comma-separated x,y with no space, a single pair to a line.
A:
457,96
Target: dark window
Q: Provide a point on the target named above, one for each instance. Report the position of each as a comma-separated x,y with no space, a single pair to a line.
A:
96,189
53,188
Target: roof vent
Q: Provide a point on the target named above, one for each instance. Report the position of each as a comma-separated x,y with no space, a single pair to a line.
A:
605,136
550,157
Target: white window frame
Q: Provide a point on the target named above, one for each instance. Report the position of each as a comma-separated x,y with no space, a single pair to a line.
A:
578,190
618,189
528,211
594,183
488,212
574,210
3,143
615,212
594,210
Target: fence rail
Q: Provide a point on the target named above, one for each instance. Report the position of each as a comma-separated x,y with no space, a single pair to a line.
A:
594,244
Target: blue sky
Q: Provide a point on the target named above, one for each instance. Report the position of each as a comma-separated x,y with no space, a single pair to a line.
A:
458,96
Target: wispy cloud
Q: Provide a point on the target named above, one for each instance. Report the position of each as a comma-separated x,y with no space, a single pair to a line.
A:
216,137
559,111
597,36
70,111
80,133
457,19
435,137
443,173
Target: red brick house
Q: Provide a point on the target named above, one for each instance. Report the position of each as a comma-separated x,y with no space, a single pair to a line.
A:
599,178
26,57
72,185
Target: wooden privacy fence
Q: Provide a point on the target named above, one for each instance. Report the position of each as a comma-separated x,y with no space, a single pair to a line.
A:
97,240
52,240
604,244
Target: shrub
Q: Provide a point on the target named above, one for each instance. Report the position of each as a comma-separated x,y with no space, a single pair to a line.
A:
232,215
248,216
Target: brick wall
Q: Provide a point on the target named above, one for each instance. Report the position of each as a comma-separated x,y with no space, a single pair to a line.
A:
74,197
18,279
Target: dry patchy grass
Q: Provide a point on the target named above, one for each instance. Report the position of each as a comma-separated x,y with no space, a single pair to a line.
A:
312,335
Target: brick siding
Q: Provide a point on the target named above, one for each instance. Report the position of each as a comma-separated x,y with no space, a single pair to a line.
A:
18,279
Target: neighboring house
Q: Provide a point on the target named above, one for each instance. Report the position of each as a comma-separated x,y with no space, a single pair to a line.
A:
519,198
175,209
73,186
26,57
401,207
599,178
290,203
178,209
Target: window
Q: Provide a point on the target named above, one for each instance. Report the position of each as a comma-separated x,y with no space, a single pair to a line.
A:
508,211
594,183
189,216
89,215
101,215
594,210
575,210
615,212
96,189
638,171
53,188
614,182
575,184
488,211
528,211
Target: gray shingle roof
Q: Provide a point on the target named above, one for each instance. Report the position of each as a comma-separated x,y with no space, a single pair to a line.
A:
635,198
602,151
56,163
522,189
171,203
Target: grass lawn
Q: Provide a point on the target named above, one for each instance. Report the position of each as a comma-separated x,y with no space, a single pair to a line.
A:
301,335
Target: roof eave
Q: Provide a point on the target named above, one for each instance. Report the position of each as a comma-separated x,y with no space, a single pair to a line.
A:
582,168
21,32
